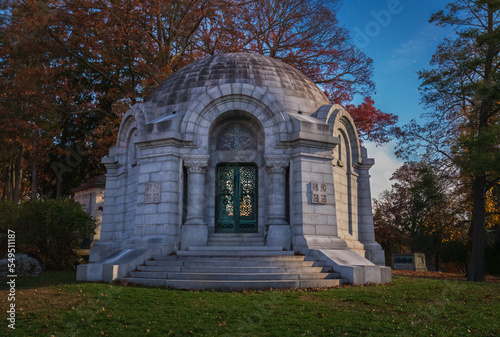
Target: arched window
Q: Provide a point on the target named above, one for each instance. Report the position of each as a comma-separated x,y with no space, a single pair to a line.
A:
236,136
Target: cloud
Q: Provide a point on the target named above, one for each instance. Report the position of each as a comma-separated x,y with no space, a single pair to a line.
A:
385,165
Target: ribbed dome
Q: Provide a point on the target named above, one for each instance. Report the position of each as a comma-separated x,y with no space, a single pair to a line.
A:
289,86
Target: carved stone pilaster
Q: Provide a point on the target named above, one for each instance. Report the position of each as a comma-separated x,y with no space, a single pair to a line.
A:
276,163
194,230
196,163
373,250
278,229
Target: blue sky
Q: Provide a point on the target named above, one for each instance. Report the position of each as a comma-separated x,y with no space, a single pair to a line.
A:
396,34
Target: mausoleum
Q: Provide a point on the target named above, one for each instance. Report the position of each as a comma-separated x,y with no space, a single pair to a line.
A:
237,172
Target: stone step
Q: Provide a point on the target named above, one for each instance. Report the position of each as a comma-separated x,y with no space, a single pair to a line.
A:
232,263
236,285
236,248
235,235
236,238
274,257
232,267
230,276
232,252
234,243
227,269
162,268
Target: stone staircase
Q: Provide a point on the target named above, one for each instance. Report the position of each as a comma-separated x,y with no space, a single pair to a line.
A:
236,239
234,268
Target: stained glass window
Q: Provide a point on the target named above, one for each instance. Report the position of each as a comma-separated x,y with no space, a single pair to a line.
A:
236,136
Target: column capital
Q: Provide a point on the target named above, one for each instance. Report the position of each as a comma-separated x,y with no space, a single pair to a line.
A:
196,163
276,163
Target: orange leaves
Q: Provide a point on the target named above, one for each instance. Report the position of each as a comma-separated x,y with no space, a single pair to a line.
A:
72,68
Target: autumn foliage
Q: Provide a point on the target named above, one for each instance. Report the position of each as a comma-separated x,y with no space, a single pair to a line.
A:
373,124
70,69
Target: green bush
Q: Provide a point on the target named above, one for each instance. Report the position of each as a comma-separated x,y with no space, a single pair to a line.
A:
50,228
8,212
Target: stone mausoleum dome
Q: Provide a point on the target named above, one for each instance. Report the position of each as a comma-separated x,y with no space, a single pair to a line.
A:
291,88
237,160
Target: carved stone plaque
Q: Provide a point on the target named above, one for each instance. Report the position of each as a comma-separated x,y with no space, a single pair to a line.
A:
318,195
153,193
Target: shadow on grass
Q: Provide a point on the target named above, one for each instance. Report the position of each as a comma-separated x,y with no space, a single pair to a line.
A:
47,278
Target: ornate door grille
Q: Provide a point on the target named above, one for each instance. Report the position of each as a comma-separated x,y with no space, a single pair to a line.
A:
236,203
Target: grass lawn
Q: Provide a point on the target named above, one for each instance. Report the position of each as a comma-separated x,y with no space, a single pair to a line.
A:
56,304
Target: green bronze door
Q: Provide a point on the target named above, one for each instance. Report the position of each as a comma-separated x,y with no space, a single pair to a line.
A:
236,199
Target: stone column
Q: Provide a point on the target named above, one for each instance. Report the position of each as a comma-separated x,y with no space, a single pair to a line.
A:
373,250
278,229
195,230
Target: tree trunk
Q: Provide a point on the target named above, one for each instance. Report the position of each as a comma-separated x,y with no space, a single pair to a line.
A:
34,170
8,181
34,180
59,187
18,174
5,190
476,270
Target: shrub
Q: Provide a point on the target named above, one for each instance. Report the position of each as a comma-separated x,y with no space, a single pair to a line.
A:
50,228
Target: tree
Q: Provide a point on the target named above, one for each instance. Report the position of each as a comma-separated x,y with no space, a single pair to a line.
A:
463,93
88,61
306,35
421,212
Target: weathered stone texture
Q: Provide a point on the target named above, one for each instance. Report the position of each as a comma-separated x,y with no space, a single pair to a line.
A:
311,183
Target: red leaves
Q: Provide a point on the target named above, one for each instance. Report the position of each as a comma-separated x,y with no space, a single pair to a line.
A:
373,124
72,67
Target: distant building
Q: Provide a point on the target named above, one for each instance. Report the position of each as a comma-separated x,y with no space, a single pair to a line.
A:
91,195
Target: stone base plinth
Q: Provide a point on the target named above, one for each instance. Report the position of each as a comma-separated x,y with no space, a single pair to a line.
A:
279,235
194,235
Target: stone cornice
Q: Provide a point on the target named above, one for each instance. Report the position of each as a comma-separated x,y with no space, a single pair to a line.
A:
159,143
110,163
364,166
323,145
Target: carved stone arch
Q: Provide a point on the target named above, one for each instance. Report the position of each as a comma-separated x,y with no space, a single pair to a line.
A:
345,150
339,119
129,122
347,126
136,117
131,152
219,100
200,129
